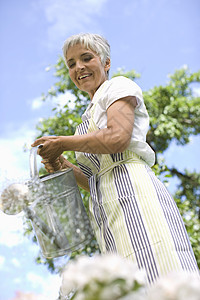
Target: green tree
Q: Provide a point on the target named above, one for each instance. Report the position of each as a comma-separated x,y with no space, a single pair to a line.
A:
174,116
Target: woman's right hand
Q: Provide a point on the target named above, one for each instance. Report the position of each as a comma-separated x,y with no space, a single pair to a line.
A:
61,163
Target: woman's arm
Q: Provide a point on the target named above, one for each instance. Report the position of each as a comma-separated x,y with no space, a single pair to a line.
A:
113,139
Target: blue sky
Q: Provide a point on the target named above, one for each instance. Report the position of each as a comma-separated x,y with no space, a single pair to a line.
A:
154,37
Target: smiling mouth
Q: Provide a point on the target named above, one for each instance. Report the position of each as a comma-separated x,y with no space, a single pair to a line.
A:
84,76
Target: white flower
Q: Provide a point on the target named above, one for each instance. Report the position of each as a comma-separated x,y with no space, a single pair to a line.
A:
111,277
105,276
176,286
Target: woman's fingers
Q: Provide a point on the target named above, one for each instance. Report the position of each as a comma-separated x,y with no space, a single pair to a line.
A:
57,165
38,142
52,166
51,147
48,167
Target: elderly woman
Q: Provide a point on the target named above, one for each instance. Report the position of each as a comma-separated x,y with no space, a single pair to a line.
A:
131,211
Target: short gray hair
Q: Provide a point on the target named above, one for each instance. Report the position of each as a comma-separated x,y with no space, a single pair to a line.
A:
95,42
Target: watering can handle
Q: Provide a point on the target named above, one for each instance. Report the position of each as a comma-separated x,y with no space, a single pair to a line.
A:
33,162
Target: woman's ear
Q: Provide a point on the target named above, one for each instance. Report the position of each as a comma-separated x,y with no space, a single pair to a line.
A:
107,65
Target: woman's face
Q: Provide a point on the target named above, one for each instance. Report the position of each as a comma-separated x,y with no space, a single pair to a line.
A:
86,69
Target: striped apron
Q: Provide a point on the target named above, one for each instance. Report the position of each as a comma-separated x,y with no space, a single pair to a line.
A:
132,213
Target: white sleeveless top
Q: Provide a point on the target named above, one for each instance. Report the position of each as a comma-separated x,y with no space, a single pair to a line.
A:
109,92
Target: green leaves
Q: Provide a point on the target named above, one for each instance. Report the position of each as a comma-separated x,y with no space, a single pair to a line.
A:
129,74
174,111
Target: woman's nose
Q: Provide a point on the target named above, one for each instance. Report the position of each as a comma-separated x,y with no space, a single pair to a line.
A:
79,65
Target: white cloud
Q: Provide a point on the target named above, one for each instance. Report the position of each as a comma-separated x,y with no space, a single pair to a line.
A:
144,7
49,285
196,91
64,99
17,280
61,100
2,261
14,161
35,279
69,17
37,103
180,161
15,262
11,230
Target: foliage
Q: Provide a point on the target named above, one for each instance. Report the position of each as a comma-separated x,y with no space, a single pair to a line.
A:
188,200
174,111
174,116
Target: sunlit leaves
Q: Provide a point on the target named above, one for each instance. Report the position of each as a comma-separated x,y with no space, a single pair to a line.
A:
174,111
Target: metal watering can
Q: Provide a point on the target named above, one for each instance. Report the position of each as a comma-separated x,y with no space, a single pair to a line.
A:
53,204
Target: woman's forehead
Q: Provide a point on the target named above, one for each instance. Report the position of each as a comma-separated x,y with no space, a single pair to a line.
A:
78,49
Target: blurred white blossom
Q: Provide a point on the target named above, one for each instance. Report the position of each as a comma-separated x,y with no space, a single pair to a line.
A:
101,278
111,277
176,286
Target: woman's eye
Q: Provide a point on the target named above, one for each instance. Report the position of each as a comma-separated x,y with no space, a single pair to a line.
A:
87,58
71,65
